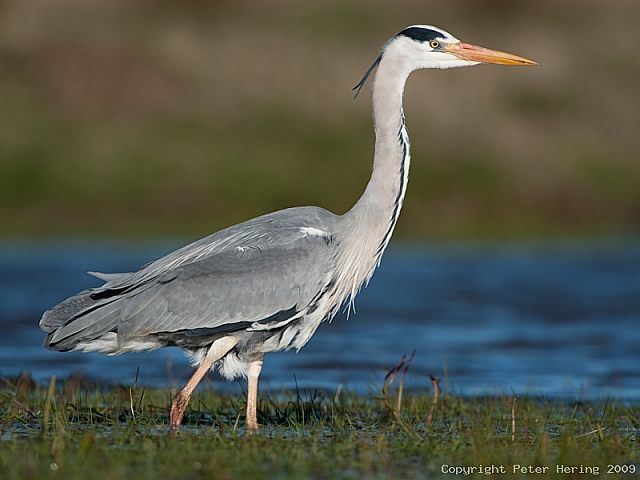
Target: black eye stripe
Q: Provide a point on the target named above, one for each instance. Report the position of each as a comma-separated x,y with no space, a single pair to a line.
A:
421,34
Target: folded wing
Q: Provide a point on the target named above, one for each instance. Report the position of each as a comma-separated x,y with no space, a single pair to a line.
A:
263,274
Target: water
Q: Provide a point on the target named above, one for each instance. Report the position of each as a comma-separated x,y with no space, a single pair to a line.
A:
559,321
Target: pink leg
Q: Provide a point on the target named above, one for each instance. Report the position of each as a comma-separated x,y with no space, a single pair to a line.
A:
252,394
218,350
181,400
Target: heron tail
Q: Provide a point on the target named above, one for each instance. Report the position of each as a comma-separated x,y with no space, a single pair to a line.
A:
79,319
85,316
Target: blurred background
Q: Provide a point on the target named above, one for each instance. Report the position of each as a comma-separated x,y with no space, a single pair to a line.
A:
130,127
145,118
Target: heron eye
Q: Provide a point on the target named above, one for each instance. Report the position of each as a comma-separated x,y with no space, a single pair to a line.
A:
434,44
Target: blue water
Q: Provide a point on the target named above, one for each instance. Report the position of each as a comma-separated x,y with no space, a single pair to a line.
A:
554,320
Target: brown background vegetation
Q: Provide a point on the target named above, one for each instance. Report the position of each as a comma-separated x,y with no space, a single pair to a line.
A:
146,118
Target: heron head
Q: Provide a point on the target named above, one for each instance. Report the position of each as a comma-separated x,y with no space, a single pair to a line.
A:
425,46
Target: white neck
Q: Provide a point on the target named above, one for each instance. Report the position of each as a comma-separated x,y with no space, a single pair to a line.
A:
372,219
379,206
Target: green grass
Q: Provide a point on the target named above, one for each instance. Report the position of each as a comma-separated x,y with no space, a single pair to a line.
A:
81,431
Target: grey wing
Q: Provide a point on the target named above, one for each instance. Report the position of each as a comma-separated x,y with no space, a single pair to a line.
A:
268,231
259,273
242,289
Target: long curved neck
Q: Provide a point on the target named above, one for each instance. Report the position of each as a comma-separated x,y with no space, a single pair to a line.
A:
378,208
368,226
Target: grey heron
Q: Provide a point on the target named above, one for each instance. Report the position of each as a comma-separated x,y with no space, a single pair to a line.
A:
266,284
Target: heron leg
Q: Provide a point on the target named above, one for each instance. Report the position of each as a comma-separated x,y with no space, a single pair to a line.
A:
218,349
252,393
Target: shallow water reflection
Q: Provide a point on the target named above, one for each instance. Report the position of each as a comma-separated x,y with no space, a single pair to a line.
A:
553,320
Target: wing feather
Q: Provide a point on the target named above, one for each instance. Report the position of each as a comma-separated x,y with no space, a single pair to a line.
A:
268,285
261,273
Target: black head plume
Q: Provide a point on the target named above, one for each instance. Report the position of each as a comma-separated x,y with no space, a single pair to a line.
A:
361,83
421,34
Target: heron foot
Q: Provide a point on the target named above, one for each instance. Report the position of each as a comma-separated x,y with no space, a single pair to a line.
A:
252,425
178,408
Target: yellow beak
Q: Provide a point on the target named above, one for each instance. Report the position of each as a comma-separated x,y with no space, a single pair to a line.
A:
474,53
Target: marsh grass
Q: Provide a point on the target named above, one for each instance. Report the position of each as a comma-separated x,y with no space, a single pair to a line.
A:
73,429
